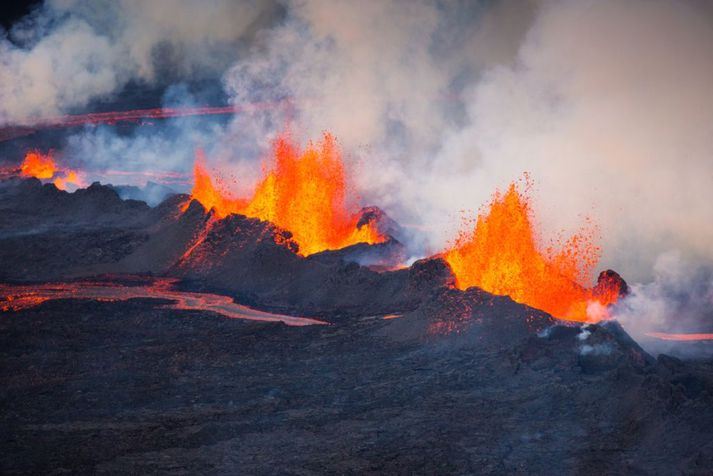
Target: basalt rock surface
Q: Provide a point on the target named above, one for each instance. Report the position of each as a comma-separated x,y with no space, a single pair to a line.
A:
129,387
48,234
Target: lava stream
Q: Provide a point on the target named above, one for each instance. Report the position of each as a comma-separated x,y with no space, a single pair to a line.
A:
15,298
135,115
500,254
307,193
693,337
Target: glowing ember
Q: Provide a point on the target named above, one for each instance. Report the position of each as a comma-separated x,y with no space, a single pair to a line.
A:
501,255
43,167
305,193
15,298
680,337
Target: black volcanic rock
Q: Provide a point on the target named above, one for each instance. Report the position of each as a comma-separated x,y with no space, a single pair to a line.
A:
252,260
27,205
379,256
256,262
431,272
129,387
383,223
610,282
606,346
172,231
46,233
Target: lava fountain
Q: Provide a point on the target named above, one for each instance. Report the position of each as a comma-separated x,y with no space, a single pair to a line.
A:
43,167
307,193
38,165
500,254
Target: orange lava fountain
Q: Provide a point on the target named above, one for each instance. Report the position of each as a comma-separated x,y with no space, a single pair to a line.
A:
500,255
38,166
306,193
43,167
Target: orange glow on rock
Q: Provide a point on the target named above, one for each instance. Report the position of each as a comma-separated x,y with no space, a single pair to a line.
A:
500,254
69,178
306,193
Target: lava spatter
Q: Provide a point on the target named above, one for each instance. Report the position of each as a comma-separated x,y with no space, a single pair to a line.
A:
306,192
500,254
44,167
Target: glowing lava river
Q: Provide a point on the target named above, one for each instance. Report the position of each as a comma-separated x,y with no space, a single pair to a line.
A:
690,337
19,297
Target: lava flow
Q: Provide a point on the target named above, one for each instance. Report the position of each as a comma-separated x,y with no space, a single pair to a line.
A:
501,255
695,337
16,298
43,167
306,193
136,116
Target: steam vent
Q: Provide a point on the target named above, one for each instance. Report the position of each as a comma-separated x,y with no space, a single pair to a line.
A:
399,237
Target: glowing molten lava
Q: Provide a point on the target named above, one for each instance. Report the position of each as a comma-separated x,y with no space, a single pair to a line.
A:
681,337
306,193
19,297
38,166
500,255
44,167
69,178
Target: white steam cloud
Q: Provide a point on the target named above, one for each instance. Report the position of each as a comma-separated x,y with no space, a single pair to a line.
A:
69,52
678,300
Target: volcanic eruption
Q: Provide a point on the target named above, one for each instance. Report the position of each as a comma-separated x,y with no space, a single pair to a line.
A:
195,277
